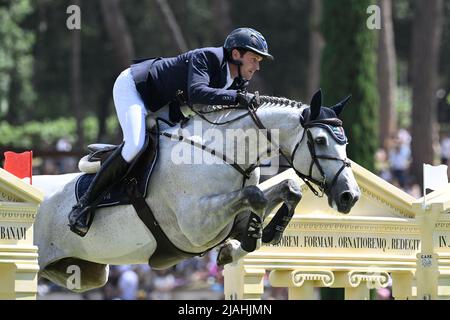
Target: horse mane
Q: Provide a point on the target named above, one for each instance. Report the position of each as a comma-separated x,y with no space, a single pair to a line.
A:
281,101
264,102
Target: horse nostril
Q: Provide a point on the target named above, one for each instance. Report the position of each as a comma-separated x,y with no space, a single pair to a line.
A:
346,197
355,200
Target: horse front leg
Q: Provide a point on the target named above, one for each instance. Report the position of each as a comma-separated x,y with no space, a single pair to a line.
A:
287,192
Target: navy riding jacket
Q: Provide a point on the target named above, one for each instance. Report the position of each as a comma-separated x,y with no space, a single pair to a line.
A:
200,74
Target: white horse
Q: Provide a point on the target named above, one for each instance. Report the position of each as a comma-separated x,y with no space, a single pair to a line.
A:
196,203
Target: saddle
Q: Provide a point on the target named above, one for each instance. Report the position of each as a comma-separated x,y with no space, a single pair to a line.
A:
132,190
139,174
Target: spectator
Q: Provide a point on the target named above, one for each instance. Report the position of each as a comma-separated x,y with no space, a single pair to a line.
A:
163,284
65,163
382,165
128,283
404,136
63,144
399,159
145,276
445,149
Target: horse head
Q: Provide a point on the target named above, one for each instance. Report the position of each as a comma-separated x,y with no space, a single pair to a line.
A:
320,155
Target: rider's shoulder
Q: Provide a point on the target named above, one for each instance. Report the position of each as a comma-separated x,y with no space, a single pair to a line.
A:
215,53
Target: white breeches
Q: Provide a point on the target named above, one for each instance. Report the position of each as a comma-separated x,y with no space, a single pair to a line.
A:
131,112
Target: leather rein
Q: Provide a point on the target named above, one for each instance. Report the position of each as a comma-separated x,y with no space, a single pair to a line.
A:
321,184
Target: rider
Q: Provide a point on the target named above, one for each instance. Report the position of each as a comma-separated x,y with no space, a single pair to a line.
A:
201,76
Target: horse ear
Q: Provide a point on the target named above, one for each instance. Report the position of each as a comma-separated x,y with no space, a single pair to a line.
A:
316,103
340,106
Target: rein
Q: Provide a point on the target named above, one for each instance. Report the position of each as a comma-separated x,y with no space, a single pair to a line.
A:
202,115
315,158
247,172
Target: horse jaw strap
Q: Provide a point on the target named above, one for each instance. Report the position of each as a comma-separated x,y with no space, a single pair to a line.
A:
315,158
307,125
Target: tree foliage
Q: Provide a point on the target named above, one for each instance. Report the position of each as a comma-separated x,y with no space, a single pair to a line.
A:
348,67
45,134
35,54
16,60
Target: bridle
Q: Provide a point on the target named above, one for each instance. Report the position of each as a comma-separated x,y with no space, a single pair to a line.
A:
321,184
323,187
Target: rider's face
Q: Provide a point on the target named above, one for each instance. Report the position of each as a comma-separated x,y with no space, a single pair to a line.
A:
250,63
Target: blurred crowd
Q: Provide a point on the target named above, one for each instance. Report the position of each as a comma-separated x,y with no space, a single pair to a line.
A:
198,278
393,162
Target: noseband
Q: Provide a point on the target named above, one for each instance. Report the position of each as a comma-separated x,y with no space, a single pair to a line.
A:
323,187
321,184
326,123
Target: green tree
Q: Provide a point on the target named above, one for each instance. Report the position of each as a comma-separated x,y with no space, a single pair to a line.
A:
426,44
16,91
444,70
349,67
285,24
52,67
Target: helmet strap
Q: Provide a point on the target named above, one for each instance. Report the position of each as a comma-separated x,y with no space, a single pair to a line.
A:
239,82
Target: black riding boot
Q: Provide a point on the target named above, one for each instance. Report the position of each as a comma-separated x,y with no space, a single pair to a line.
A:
82,214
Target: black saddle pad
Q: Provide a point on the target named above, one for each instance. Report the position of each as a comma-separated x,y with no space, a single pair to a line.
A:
116,195
141,172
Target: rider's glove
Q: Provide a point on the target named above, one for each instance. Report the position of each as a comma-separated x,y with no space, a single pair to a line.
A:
246,99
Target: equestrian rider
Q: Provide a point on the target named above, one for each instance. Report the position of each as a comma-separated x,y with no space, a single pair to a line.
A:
201,76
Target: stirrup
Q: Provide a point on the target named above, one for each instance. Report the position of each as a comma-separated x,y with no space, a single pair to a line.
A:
77,231
75,227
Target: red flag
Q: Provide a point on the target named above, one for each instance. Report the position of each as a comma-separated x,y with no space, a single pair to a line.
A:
19,164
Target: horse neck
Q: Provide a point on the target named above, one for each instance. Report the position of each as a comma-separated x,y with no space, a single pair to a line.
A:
283,123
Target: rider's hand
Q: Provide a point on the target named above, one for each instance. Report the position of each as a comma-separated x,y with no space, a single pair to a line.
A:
246,99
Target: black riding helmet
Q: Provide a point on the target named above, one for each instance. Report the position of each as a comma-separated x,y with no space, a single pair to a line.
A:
249,39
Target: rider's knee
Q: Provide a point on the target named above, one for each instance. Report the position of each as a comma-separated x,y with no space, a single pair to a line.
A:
131,149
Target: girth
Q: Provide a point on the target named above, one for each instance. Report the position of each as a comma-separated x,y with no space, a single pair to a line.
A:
166,253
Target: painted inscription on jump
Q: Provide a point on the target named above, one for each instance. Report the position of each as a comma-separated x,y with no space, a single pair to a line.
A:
444,241
350,242
7,197
13,233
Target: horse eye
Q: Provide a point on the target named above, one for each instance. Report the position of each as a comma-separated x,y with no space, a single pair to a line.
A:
321,140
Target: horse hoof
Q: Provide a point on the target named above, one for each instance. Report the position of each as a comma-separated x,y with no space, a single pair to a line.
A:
227,252
225,257
276,238
267,236
271,237
79,231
